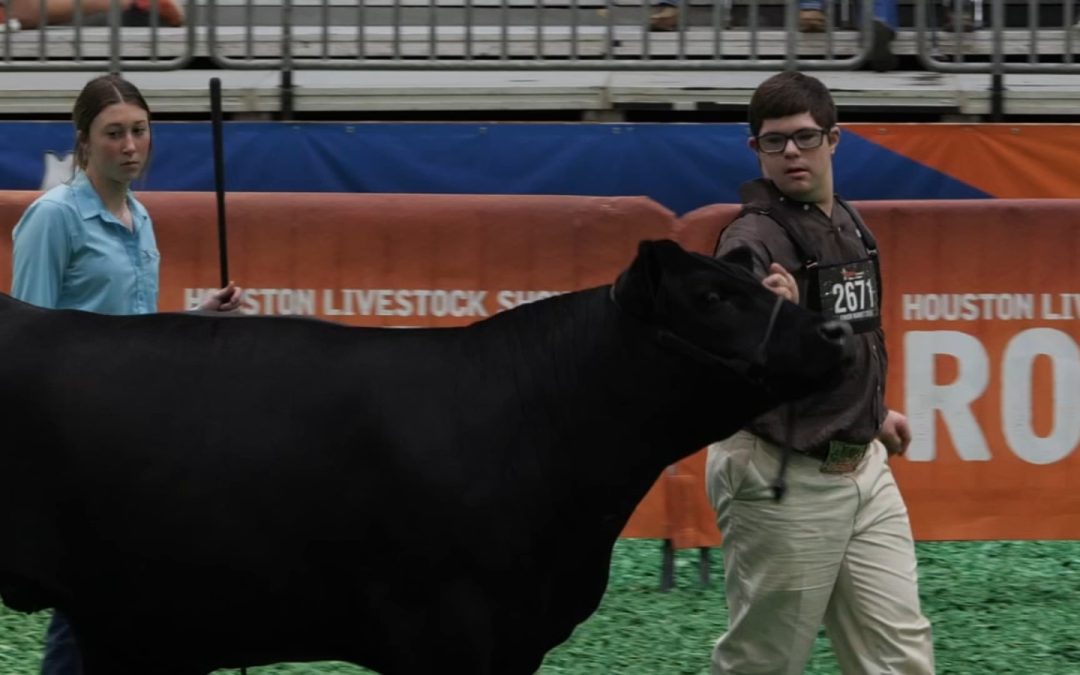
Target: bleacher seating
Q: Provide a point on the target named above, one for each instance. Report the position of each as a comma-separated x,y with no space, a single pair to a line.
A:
587,56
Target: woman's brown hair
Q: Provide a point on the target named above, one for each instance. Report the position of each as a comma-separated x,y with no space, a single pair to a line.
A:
98,94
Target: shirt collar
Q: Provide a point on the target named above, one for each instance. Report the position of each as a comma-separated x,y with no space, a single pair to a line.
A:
89,204
764,192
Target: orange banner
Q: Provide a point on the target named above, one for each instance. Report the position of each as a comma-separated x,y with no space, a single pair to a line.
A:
400,260
676,508
1013,161
982,314
386,260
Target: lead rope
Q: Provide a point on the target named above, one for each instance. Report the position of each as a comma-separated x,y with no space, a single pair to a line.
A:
779,484
759,357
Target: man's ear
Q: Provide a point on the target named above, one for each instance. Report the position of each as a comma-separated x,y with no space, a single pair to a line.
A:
834,138
752,143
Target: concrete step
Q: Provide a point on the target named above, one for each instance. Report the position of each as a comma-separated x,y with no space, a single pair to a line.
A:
592,94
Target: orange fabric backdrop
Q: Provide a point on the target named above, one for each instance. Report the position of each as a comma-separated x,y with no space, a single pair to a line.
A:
354,252
1011,161
992,459
348,253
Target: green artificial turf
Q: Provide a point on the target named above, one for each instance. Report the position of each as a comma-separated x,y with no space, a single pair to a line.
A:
997,608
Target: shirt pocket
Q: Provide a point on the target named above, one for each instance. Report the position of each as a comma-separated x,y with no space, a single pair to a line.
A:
727,466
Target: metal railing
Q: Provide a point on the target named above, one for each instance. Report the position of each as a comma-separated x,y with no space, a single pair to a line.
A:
540,34
95,43
550,35
1032,48
426,34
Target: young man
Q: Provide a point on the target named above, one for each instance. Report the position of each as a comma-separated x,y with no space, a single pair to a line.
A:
837,548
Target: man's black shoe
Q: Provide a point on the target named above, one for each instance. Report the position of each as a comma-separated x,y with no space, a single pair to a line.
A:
881,58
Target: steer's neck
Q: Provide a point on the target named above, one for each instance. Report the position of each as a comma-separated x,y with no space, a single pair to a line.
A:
620,406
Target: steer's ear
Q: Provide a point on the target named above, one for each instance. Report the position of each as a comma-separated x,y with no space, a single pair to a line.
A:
637,287
741,256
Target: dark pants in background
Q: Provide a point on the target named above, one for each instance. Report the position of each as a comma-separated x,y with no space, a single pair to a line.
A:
61,651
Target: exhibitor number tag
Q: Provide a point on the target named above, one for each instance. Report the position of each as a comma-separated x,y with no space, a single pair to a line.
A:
849,291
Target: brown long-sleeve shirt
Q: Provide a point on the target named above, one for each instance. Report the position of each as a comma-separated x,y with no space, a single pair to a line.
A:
855,409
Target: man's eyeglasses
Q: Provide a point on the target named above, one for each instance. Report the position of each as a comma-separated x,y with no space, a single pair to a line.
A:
805,139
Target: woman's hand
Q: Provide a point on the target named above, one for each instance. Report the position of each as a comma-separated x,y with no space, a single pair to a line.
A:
222,300
895,433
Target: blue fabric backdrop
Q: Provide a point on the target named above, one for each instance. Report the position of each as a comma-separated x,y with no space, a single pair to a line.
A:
682,166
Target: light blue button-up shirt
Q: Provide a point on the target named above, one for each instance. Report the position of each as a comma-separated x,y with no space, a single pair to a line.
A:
70,252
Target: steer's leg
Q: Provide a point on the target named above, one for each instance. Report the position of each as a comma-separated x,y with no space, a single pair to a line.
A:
99,659
454,633
109,646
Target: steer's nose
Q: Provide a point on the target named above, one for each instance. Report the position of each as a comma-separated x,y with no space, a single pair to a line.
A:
840,333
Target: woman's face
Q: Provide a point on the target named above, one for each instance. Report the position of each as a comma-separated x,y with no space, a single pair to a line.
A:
118,144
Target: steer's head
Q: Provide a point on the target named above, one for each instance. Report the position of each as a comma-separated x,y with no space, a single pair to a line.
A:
716,312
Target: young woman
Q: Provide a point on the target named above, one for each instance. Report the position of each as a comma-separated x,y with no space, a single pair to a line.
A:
89,244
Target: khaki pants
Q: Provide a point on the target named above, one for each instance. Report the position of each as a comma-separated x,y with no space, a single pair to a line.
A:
837,550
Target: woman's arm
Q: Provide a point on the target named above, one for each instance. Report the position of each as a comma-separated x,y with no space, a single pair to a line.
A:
40,254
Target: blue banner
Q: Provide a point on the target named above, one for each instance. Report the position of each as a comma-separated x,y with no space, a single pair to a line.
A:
682,166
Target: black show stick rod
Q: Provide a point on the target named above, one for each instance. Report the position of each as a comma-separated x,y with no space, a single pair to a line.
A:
219,177
219,188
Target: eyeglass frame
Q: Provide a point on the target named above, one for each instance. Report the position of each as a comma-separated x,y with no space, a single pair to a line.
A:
790,138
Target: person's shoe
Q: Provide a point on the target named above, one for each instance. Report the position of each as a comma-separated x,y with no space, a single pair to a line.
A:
881,57
963,23
138,13
811,21
664,18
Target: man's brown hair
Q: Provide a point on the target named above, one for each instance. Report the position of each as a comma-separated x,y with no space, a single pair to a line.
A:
791,93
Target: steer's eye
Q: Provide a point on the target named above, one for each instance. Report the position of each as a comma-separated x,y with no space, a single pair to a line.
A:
712,298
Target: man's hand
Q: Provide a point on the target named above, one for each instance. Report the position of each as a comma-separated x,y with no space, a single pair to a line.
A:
781,282
222,300
895,433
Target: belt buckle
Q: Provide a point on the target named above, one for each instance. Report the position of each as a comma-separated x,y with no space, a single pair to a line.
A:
843,457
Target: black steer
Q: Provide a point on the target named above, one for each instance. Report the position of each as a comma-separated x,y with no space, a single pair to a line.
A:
198,492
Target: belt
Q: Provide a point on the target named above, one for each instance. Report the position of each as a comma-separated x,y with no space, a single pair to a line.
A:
840,458
821,450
